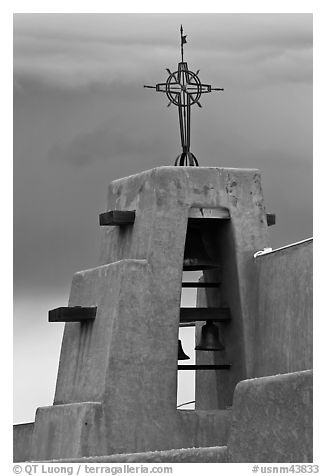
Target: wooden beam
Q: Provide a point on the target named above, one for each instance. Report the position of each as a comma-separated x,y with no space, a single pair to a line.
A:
117,218
205,222
194,264
196,284
72,314
216,212
205,367
271,219
195,314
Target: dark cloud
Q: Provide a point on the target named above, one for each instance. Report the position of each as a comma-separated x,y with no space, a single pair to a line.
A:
106,143
76,51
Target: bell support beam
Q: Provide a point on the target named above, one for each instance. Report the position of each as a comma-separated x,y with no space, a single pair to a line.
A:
194,314
117,218
205,222
205,367
72,314
194,264
200,285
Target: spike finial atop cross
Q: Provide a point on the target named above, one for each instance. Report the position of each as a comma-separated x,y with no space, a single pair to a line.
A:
183,89
183,41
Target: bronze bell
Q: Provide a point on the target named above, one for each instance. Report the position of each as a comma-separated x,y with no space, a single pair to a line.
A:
209,338
195,254
181,354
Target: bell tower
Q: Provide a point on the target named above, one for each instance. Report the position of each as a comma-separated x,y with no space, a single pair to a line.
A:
117,380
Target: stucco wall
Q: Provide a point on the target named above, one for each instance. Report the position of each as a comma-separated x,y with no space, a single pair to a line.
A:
22,435
271,423
272,420
283,334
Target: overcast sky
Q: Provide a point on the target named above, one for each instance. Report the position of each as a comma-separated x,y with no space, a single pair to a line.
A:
82,119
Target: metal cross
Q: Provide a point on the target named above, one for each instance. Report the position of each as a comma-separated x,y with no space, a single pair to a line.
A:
184,89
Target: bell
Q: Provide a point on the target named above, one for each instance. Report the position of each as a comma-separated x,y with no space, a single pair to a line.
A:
209,338
195,254
181,354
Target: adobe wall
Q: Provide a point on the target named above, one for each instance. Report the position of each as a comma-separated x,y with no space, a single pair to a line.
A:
283,334
22,436
271,423
272,420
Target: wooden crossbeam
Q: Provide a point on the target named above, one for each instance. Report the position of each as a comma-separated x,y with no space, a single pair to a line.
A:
195,314
205,222
194,264
117,218
271,219
72,314
205,367
200,285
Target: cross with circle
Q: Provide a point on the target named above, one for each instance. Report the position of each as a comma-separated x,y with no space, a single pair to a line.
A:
184,89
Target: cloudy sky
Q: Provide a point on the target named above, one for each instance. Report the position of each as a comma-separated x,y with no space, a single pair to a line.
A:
82,118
